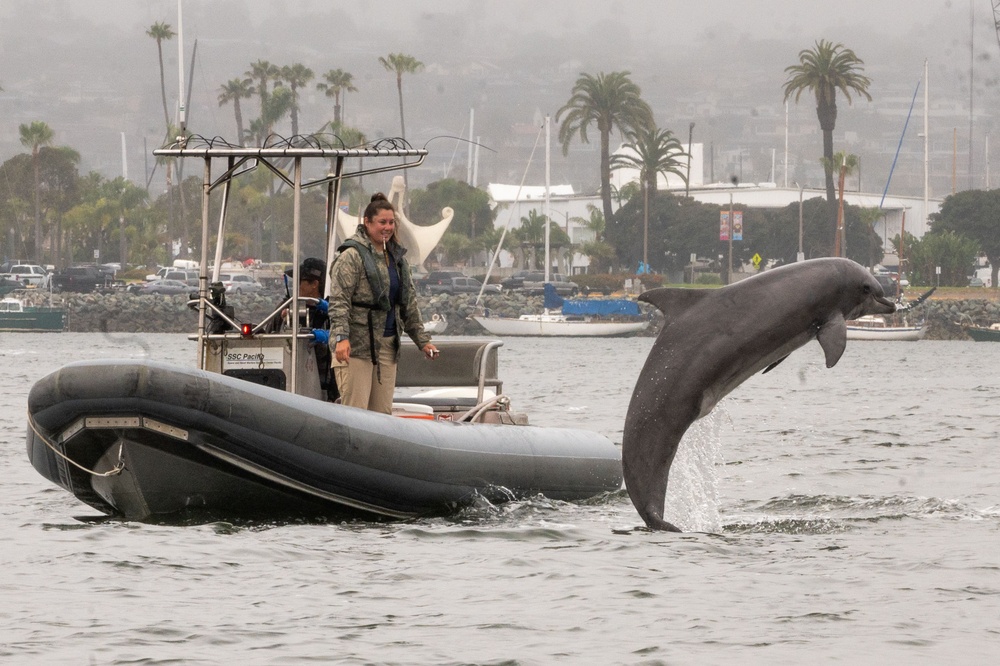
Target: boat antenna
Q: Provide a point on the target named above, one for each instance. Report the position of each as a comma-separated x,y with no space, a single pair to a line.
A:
510,216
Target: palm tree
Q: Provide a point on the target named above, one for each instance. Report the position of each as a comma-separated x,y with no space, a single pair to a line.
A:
296,76
233,91
263,73
400,64
336,81
34,136
824,70
609,101
845,165
653,151
162,32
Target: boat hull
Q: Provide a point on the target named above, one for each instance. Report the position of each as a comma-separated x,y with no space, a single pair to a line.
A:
900,333
556,326
32,321
981,334
144,441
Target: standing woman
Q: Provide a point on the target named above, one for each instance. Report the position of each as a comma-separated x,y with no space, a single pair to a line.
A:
372,299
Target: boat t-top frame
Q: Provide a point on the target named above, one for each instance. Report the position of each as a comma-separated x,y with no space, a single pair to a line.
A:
285,159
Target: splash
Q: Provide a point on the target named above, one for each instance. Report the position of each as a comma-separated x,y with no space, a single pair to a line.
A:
693,491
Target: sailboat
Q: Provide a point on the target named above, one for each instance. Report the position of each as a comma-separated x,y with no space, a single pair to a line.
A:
577,318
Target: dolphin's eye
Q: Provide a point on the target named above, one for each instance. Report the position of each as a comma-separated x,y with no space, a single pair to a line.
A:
867,289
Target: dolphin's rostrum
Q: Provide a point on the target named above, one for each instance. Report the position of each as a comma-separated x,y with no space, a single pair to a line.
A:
713,340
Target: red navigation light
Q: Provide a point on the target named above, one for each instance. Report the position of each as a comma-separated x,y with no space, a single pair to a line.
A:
246,330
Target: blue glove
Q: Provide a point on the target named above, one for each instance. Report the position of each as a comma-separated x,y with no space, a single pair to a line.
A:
322,306
321,335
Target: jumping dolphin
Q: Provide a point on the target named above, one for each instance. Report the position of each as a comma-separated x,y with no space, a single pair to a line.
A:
713,340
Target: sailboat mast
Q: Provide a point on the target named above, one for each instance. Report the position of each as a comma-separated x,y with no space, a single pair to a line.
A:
926,142
548,211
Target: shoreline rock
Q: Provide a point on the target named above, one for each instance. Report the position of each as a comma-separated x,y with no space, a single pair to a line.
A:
121,312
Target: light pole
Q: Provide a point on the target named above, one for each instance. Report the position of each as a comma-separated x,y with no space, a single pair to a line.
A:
729,275
687,181
801,255
729,272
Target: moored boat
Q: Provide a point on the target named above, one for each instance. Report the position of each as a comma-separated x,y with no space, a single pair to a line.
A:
15,316
436,325
989,333
876,327
574,318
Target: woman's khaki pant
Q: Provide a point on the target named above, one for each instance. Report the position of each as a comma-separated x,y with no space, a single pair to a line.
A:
359,386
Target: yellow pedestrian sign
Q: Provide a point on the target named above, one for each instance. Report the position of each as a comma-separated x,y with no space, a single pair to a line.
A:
756,261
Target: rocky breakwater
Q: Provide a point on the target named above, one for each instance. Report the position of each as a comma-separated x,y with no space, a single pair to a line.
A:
124,312
944,318
153,313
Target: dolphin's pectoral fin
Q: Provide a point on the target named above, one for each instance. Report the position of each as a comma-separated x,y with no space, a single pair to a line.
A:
832,338
773,365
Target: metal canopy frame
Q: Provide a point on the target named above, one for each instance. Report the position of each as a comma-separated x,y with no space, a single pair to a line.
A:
285,161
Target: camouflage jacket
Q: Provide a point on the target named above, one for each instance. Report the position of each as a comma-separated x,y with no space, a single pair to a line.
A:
350,291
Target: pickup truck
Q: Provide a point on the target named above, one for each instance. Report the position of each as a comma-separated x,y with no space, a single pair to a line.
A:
533,283
85,279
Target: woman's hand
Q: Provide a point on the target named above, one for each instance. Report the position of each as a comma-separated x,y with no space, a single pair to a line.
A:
342,352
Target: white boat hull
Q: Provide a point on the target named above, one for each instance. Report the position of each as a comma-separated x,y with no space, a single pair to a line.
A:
898,333
558,325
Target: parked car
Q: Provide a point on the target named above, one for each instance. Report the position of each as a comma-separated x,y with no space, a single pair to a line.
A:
532,283
28,275
435,278
85,278
165,286
240,283
976,281
461,285
188,277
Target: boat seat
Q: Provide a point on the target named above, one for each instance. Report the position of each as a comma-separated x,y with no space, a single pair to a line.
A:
441,404
460,363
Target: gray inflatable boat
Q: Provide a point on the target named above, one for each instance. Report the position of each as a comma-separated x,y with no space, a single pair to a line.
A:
143,441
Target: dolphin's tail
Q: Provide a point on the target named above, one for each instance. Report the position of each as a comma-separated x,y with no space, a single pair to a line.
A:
645,472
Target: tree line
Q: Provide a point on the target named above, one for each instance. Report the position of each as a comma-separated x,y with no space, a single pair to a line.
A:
52,214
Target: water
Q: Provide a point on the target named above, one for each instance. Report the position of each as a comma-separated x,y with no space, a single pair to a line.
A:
849,515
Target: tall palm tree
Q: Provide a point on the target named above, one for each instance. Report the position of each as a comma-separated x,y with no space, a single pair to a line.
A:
263,72
296,76
233,91
400,64
335,82
609,101
652,151
824,70
34,136
162,32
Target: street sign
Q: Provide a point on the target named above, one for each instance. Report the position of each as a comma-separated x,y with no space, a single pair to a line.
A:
756,260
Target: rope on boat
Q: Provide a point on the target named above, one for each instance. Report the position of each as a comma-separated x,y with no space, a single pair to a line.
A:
481,408
117,469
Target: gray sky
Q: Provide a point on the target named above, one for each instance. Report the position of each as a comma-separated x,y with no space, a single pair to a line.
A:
89,70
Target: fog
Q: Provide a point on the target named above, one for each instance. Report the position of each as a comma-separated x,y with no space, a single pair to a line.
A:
90,72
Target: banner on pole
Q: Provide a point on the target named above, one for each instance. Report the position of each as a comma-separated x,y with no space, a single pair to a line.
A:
737,225
724,225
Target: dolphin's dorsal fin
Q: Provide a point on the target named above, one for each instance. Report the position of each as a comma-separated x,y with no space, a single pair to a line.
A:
832,338
674,301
